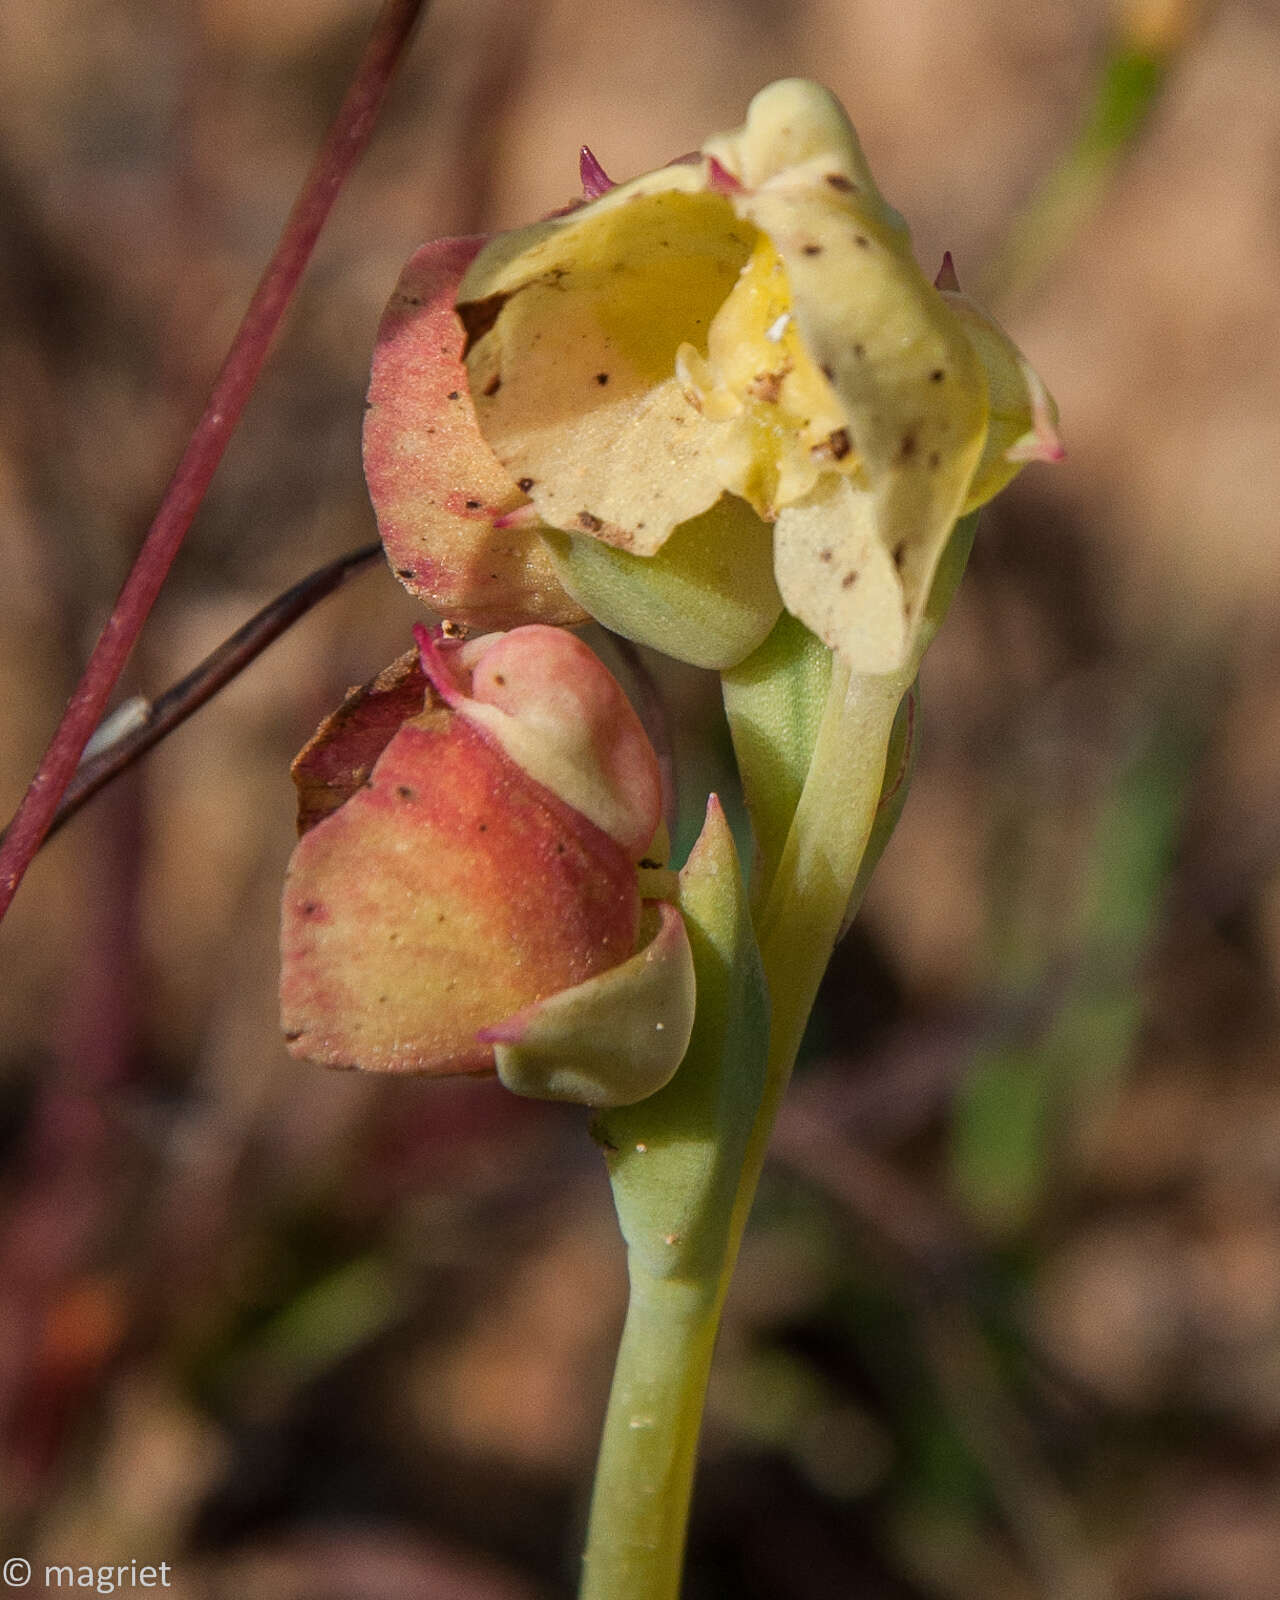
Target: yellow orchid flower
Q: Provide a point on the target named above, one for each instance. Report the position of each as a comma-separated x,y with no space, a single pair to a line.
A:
720,389
737,340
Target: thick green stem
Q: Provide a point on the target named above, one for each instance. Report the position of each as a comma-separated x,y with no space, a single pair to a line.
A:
640,1506
674,1161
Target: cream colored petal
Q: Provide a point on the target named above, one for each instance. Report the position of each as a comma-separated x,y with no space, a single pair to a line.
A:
574,361
838,577
613,1040
796,132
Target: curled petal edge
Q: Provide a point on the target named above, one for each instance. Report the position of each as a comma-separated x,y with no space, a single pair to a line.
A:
611,1041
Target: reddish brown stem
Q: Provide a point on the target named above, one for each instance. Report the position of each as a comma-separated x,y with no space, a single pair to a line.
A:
343,145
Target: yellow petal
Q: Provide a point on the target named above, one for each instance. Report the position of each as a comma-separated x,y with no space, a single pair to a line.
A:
574,373
1023,422
849,402
837,577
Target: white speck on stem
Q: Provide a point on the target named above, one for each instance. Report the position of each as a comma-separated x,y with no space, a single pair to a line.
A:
777,328
642,1148
640,1422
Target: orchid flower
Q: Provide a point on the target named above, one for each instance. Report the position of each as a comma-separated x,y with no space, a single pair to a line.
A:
714,392
721,410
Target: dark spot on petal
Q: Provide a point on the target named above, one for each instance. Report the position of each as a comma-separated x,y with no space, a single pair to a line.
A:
292,1034
524,485
405,572
493,385
473,505
455,394
499,680
812,249
766,387
559,847
837,180
411,299
907,448
589,522
653,865
862,242
834,447
828,372
937,375
859,350
849,579
310,907
826,555
900,554
602,378
479,316
484,827
404,791
935,460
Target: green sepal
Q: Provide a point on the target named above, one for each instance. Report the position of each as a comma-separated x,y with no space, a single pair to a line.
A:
774,701
707,597
612,1040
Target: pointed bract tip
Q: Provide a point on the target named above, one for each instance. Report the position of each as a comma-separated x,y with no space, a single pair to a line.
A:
946,278
595,180
720,179
521,517
1041,441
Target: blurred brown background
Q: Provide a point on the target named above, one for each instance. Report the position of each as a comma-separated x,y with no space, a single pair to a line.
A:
1008,1321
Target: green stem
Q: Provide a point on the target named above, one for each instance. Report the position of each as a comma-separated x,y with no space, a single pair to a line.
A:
644,1478
674,1162
814,881
685,1163
813,742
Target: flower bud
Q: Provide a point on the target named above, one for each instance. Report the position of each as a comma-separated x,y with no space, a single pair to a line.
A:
472,824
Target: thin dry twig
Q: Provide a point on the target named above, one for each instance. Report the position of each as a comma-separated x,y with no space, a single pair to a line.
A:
343,144
158,718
